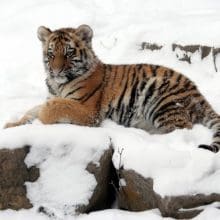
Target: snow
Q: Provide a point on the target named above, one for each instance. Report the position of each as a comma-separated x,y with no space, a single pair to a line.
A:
119,28
100,215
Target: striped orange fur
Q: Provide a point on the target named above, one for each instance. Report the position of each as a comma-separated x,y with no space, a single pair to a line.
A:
85,91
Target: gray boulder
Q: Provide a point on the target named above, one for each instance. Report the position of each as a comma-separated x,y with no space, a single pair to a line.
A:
138,195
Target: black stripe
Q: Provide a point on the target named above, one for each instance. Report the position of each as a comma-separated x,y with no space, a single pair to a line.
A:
179,78
217,134
50,89
88,95
104,81
80,98
85,54
139,67
110,110
143,84
216,121
144,74
188,84
93,92
149,93
129,118
133,78
81,54
122,111
85,79
133,95
164,85
123,75
122,94
129,69
154,69
70,93
171,73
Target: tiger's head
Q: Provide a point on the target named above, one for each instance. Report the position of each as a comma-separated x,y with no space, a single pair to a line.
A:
67,52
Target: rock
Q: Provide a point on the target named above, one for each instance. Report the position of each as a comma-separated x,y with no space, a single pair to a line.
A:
101,196
150,46
215,52
205,51
74,169
104,193
189,50
186,48
186,52
14,173
138,195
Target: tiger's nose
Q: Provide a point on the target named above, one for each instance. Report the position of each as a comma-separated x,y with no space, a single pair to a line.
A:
58,65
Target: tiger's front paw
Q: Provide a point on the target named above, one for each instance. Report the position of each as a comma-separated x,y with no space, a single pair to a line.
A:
11,125
27,119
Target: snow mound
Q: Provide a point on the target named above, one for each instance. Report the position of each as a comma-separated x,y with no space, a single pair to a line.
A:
173,161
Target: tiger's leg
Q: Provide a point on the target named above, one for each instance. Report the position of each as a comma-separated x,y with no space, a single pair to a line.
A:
60,110
26,119
172,120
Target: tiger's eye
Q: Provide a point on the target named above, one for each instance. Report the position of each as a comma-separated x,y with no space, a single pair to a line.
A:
70,52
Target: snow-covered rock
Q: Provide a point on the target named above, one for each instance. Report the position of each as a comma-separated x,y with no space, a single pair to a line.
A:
168,172
74,169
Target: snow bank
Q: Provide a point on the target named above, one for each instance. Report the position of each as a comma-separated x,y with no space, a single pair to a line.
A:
112,214
62,152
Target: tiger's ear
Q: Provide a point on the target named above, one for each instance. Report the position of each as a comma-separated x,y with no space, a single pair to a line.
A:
85,33
43,33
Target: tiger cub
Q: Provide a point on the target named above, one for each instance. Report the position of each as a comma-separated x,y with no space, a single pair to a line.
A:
85,91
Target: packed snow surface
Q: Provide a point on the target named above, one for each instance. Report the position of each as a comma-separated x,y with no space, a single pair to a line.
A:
119,29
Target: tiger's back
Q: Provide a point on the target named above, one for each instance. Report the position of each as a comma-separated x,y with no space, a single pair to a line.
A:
146,95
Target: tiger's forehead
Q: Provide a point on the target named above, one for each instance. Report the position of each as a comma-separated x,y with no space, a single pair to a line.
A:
62,39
